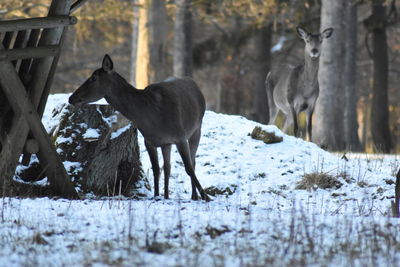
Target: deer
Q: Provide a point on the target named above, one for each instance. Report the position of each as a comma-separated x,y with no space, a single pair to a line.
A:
294,89
166,113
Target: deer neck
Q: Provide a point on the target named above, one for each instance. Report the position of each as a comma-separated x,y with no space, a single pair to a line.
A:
131,102
310,72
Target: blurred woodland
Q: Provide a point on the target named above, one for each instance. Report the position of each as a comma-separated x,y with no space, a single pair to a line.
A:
229,46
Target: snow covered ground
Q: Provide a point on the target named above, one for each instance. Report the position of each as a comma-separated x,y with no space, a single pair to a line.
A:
266,221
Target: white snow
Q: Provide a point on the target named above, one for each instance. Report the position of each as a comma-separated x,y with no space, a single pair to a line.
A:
266,221
120,131
91,134
279,45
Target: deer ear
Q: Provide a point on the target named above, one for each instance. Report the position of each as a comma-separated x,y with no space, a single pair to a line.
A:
327,33
107,65
302,33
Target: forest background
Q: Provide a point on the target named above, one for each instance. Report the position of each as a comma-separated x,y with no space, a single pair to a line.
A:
229,46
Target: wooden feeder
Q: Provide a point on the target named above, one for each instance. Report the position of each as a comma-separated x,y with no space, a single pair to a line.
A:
29,52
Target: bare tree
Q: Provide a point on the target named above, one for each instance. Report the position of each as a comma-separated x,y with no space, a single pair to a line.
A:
151,60
329,108
134,43
349,78
183,39
376,24
261,52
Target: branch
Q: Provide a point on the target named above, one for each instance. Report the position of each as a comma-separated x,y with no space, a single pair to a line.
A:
367,44
392,17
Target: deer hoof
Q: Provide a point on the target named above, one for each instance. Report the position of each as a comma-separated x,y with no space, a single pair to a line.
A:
205,197
157,198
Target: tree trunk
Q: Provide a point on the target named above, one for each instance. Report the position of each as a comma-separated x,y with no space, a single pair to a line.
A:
328,126
261,53
134,43
183,39
151,60
379,108
99,149
349,78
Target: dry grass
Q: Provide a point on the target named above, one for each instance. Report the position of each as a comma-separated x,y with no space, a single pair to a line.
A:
321,180
11,188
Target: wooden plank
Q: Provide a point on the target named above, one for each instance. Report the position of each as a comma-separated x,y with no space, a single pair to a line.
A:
50,77
29,52
20,42
37,23
19,100
8,38
26,64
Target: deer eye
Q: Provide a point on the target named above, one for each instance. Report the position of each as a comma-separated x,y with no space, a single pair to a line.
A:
93,78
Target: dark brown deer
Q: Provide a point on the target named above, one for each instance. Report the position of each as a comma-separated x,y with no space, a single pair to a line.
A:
166,113
293,89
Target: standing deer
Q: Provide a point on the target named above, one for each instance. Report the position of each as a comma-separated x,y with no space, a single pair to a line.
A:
166,113
293,89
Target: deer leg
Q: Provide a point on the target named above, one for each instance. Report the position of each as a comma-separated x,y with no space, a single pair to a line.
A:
193,145
273,110
183,149
154,164
166,152
288,122
295,124
273,113
309,124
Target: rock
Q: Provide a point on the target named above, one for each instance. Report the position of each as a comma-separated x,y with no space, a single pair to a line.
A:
266,137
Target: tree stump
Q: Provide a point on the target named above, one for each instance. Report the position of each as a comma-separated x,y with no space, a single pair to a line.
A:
99,149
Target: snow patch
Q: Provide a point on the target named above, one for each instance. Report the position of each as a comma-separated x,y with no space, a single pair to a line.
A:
278,46
91,134
120,131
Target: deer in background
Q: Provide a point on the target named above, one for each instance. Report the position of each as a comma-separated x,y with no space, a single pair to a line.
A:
294,89
166,113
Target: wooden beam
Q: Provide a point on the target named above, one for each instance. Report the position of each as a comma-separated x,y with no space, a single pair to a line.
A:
37,23
21,104
29,52
31,146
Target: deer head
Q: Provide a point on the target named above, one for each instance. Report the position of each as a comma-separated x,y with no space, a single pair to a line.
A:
313,41
94,88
